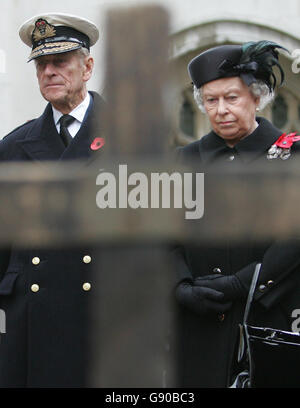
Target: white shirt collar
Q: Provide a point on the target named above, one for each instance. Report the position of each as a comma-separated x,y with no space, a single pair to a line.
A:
78,113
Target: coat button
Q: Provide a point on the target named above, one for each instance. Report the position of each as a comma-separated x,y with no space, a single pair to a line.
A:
36,260
86,286
87,259
35,287
262,288
217,270
270,283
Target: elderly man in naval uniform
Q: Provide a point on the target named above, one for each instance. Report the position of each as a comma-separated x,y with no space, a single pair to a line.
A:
45,292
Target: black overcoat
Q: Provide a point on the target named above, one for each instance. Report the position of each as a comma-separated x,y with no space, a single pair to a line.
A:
207,343
45,344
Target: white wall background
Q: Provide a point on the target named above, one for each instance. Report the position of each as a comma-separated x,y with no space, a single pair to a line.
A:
20,99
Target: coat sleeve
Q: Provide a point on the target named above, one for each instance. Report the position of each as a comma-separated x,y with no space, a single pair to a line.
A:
4,261
5,148
4,258
177,251
180,265
279,263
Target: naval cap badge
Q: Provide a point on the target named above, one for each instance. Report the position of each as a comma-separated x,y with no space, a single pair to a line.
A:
43,30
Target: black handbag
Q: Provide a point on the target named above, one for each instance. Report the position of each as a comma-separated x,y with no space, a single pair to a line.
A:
270,357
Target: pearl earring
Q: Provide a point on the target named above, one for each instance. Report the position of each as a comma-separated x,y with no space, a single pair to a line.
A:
257,109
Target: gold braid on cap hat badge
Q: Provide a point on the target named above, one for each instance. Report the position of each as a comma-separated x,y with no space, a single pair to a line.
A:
43,30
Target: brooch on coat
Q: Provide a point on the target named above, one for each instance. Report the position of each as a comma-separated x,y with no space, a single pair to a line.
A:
282,147
97,143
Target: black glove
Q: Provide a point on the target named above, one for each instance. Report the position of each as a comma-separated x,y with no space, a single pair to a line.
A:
201,300
230,286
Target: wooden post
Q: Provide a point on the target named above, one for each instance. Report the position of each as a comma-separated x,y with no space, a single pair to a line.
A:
131,310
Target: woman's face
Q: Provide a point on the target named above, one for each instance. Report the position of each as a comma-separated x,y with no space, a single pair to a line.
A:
231,108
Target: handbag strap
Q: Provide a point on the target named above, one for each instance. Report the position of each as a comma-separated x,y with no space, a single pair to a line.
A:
251,292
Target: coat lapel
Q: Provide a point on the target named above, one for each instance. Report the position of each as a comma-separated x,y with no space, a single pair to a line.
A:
258,143
212,147
42,142
80,147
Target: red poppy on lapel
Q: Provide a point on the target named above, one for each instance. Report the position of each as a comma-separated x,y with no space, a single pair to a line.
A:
97,143
285,141
282,147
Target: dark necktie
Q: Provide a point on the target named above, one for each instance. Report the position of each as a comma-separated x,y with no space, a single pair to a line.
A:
65,121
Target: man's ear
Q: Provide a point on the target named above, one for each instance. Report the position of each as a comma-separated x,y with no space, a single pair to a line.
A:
88,68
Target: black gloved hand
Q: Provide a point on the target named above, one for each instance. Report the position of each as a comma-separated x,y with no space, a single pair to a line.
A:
230,285
201,300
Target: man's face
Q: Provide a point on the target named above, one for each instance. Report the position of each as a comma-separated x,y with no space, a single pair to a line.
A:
231,108
62,78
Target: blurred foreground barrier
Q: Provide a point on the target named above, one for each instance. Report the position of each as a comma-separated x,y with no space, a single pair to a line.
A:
51,204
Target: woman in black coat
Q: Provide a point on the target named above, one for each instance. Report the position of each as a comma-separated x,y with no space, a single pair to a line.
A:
231,83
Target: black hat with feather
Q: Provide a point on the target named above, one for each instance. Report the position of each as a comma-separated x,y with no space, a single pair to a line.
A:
251,61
